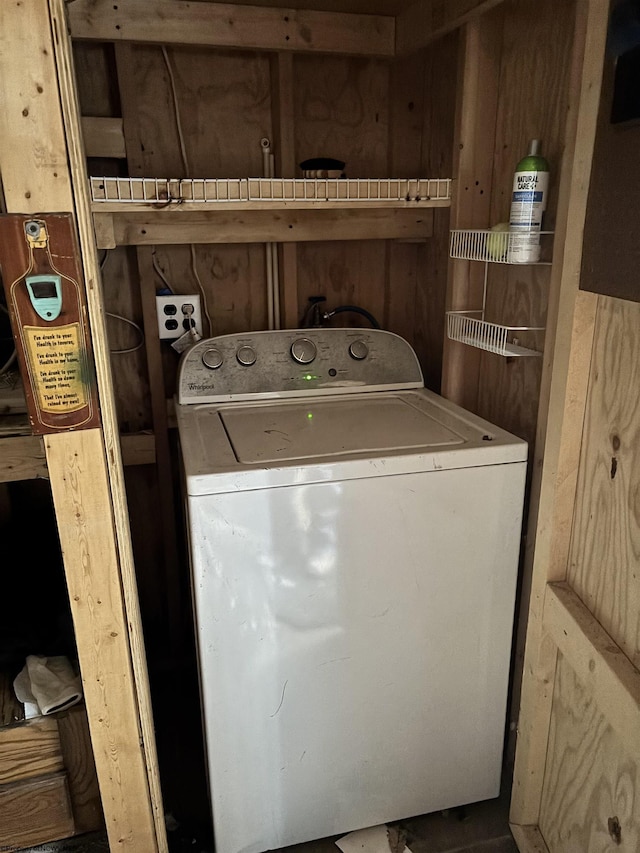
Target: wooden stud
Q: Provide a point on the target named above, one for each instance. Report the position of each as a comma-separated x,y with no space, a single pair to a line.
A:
567,354
228,25
157,390
104,231
148,793
79,477
84,467
103,137
428,20
284,143
31,131
474,140
600,665
529,839
162,448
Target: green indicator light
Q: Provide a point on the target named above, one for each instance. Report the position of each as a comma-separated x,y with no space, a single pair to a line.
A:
310,416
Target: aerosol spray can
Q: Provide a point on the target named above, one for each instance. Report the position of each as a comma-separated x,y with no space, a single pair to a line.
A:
528,203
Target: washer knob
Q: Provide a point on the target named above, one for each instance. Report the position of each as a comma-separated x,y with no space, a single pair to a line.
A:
246,356
212,358
303,351
358,350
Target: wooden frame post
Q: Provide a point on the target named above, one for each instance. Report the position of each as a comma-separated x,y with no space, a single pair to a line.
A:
474,141
43,169
568,346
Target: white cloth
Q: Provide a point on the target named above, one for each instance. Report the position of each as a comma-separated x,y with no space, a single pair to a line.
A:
49,683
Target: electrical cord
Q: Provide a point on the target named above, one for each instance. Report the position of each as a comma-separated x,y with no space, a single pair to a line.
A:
130,323
126,350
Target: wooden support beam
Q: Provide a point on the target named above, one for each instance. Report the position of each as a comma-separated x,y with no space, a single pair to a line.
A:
22,458
228,25
282,82
158,227
600,665
529,839
143,821
568,345
41,147
428,20
79,478
103,137
148,829
163,455
153,347
474,141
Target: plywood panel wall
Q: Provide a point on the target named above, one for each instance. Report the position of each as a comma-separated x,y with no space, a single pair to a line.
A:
200,113
224,107
341,110
605,549
591,797
591,794
532,98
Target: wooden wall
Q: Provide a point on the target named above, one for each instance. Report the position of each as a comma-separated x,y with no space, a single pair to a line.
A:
592,778
382,119
536,38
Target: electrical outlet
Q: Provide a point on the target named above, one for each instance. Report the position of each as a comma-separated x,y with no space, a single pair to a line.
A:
173,317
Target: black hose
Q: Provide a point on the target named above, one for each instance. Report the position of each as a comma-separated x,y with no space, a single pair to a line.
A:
355,310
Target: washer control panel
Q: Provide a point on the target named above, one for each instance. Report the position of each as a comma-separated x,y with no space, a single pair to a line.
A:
295,362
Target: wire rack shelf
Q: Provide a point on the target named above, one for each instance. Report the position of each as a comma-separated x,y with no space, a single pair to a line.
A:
166,191
470,327
500,247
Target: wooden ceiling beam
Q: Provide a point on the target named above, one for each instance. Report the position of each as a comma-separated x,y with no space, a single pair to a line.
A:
230,26
428,20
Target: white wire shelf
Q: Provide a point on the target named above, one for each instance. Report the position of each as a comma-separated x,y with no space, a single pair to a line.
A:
167,191
500,247
470,327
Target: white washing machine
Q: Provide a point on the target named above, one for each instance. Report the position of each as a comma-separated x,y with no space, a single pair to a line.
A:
354,549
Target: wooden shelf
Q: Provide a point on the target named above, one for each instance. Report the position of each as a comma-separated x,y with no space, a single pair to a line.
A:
153,211
199,223
22,457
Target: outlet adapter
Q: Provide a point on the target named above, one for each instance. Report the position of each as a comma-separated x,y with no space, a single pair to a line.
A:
175,314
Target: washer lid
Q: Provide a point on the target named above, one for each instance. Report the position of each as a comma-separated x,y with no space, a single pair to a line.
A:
318,429
231,447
